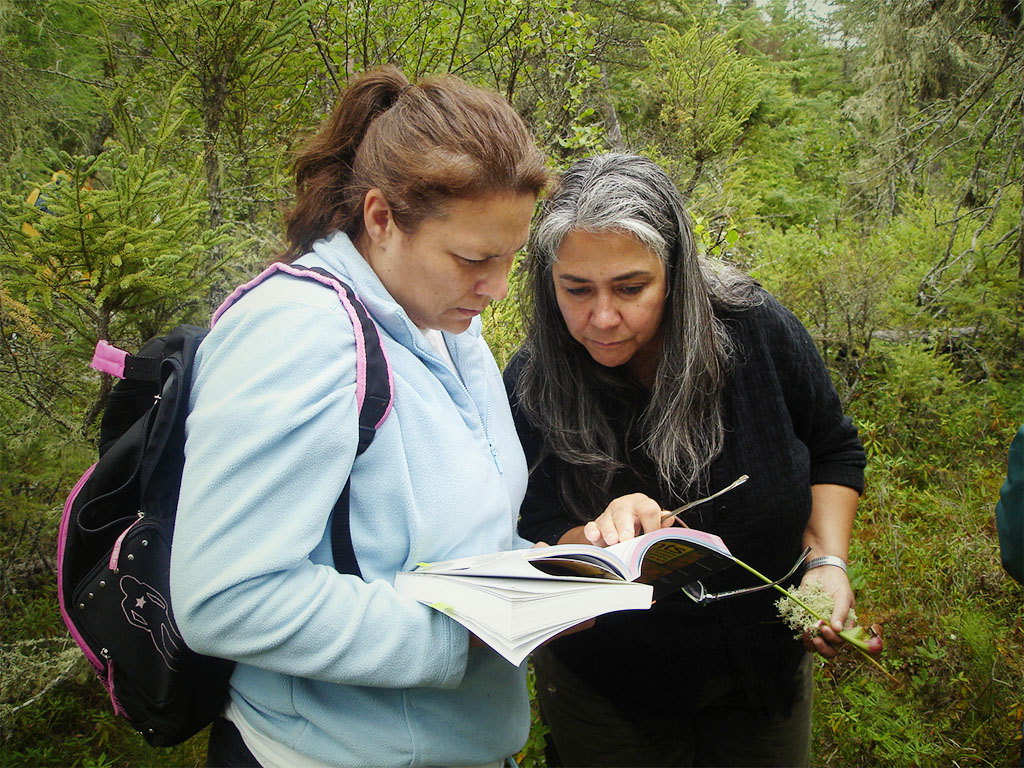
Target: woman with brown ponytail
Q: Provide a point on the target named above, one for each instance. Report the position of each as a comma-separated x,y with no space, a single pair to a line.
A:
417,196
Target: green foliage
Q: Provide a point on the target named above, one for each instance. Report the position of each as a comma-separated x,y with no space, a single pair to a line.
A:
48,95
969,276
503,329
936,458
32,663
538,53
718,244
236,74
112,247
789,169
559,76
914,405
960,678
706,93
532,753
877,726
503,321
73,725
840,285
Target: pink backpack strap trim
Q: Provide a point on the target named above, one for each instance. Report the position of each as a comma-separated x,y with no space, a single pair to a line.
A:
62,598
349,309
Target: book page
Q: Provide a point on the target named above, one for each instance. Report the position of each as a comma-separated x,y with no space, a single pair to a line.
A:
562,561
513,607
578,566
579,560
513,622
673,557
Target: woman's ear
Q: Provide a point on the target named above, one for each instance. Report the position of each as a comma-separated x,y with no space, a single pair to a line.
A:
378,222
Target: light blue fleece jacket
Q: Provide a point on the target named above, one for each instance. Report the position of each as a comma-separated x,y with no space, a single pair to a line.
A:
333,666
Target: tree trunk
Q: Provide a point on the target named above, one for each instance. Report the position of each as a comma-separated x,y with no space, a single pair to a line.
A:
694,178
99,136
1020,239
214,96
99,404
611,118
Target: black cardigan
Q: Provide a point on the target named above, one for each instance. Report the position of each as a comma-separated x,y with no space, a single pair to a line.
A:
785,428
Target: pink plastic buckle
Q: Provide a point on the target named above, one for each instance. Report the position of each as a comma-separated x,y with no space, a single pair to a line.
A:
109,359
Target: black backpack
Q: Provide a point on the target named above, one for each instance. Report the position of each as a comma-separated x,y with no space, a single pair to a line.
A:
114,546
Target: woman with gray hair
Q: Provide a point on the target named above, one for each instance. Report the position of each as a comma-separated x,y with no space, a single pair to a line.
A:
651,376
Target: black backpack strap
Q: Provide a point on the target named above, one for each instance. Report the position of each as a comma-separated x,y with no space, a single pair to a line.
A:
344,551
374,386
377,390
128,367
141,368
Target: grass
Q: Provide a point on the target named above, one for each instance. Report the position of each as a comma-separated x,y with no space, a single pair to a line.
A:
927,567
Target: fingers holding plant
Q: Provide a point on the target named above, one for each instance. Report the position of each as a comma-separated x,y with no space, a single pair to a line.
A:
828,591
805,609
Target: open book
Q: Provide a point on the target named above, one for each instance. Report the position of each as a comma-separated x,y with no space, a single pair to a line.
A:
516,600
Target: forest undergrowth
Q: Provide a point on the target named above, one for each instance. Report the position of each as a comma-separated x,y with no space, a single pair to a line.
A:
924,564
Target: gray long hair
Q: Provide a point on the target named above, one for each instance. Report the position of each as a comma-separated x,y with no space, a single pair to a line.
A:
569,397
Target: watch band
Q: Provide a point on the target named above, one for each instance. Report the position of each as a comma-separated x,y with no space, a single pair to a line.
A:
815,562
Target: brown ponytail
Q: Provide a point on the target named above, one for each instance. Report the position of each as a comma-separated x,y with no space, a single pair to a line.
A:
421,145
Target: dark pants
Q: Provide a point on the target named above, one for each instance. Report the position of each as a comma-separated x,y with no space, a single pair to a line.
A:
587,730
226,748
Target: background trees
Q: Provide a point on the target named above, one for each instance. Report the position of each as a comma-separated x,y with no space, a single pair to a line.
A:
866,167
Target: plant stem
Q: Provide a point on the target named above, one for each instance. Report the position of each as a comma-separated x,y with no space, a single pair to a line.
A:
857,644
